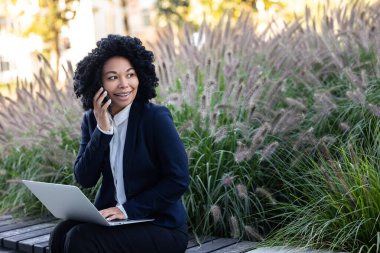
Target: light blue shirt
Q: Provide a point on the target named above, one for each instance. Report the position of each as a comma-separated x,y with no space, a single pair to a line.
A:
119,125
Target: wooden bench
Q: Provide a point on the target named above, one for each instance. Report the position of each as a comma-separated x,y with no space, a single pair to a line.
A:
32,236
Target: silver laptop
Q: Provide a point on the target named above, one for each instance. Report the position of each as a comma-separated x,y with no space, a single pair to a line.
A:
69,202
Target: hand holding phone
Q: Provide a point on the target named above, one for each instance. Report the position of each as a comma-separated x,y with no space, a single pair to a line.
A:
110,106
102,108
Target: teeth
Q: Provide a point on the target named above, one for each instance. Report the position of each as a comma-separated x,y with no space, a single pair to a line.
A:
123,94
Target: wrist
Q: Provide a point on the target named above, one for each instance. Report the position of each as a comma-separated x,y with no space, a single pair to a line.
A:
103,130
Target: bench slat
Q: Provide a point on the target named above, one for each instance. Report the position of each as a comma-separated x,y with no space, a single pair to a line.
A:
22,224
13,221
12,242
7,222
238,247
23,230
6,217
202,239
32,242
2,250
41,247
212,245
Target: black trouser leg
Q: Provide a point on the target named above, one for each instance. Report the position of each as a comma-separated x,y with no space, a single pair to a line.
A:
132,238
58,235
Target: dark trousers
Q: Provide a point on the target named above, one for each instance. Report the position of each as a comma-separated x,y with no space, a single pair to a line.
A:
77,237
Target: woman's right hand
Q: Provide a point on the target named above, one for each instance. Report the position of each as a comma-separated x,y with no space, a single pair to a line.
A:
100,110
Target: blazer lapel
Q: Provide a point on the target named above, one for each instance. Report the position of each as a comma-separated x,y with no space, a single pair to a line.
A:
130,140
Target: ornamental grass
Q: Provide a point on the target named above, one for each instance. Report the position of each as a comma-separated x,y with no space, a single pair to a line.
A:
281,128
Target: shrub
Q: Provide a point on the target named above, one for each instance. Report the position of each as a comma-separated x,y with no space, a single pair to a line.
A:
39,138
286,92
335,200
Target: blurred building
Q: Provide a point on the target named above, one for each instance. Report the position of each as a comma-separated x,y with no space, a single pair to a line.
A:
94,19
141,17
16,52
127,17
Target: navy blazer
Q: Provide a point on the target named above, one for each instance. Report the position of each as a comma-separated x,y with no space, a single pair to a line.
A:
156,171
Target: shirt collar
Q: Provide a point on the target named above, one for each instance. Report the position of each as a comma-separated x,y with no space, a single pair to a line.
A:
122,116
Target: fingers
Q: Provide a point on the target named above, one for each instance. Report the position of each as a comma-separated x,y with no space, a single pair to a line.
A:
98,93
99,98
100,109
112,213
115,217
106,104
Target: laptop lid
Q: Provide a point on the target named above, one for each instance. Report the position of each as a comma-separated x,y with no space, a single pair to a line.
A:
69,202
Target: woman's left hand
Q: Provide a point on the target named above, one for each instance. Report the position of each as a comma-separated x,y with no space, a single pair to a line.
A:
112,213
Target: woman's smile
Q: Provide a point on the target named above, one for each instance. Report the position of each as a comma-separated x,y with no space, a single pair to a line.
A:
123,95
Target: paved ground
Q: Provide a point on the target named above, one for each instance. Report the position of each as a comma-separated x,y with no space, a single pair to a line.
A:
287,250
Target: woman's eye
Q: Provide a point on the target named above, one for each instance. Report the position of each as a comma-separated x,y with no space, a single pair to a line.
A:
130,75
112,78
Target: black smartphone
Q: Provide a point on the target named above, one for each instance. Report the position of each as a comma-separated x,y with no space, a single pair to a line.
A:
110,106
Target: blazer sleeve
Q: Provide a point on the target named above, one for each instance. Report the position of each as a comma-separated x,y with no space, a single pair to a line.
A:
173,166
93,145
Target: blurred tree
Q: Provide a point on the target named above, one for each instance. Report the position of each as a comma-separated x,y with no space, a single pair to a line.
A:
193,11
48,23
173,10
124,5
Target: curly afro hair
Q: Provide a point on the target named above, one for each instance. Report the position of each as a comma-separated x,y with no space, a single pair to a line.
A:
87,76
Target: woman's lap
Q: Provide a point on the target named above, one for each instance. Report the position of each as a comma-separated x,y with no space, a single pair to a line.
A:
142,237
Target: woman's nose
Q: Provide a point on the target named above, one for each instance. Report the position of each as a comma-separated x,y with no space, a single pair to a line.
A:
123,82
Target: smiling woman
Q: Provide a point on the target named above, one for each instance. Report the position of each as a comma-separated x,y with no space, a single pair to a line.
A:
120,82
88,76
135,149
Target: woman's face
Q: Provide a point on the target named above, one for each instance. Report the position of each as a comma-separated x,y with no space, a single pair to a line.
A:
120,81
